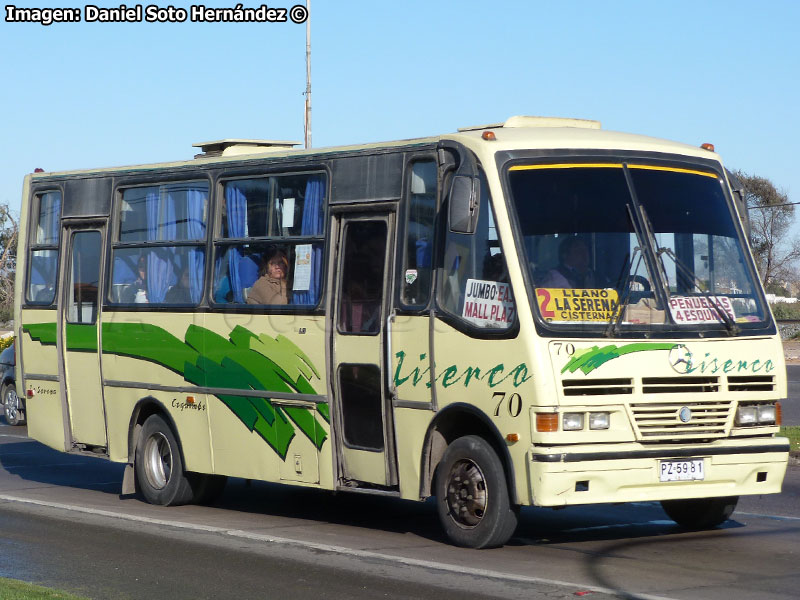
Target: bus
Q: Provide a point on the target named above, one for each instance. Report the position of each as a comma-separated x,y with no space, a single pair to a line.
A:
537,312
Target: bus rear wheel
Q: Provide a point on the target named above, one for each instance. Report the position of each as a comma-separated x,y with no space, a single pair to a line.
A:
472,495
700,513
12,406
159,465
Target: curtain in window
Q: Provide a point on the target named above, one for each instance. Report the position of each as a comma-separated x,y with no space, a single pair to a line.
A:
195,208
236,209
159,267
313,224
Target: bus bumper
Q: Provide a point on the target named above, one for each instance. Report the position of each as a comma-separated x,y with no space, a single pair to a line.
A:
632,473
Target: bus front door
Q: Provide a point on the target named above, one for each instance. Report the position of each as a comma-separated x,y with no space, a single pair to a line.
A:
79,336
363,422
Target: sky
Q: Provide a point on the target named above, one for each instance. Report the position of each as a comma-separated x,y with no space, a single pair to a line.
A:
85,95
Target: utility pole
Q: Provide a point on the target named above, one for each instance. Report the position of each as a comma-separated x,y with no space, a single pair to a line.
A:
308,76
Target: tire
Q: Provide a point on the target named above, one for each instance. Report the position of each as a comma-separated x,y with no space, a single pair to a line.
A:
472,495
700,513
13,409
158,464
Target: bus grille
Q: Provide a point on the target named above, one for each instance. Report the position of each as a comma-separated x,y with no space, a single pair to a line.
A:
751,383
597,387
660,421
679,385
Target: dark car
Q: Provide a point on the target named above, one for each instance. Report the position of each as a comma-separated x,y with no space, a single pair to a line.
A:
13,405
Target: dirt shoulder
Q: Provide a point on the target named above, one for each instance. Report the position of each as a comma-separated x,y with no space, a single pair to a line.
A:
791,351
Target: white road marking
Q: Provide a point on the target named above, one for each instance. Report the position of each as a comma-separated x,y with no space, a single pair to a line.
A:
341,550
775,517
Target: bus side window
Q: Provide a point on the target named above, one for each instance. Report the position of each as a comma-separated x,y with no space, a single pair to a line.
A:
270,222
159,254
416,268
473,281
43,263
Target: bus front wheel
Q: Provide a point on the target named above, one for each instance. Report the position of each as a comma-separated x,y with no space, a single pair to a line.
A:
472,495
159,465
700,513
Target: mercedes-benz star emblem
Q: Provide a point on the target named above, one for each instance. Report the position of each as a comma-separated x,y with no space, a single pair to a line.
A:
685,414
680,359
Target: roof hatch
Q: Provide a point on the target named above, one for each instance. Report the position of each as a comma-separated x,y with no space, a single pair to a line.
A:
524,121
233,147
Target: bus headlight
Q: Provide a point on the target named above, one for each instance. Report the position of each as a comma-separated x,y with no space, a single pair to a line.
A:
766,414
747,415
572,422
758,414
599,420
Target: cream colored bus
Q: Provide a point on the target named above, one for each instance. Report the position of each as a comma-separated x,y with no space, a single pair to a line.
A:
538,312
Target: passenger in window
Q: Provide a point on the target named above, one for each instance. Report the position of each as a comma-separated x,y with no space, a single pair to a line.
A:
136,292
271,286
366,289
573,269
179,293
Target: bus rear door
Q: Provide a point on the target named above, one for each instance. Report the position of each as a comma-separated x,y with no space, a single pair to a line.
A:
79,333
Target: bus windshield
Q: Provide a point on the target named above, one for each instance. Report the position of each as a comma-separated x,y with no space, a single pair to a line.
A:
633,246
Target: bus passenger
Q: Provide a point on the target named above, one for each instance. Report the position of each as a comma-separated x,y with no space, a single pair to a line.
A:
180,293
136,291
573,266
271,285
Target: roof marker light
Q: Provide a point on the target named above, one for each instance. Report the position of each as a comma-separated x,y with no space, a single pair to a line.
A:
489,136
707,146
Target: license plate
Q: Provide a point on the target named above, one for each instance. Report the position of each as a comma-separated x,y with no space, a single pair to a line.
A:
682,470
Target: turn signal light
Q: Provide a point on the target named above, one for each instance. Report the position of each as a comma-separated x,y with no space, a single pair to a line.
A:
547,422
778,414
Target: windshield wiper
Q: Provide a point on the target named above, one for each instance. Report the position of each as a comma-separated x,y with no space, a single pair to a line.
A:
622,303
730,324
613,324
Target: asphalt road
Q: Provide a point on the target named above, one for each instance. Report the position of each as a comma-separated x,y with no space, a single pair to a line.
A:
64,524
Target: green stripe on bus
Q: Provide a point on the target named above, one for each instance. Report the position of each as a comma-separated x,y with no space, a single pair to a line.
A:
242,361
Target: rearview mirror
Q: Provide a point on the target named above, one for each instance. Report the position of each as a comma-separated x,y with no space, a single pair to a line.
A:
464,194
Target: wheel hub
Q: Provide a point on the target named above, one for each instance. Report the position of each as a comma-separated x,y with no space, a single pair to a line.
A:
158,460
466,493
12,404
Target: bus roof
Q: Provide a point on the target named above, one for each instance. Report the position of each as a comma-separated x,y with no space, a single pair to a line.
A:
517,133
